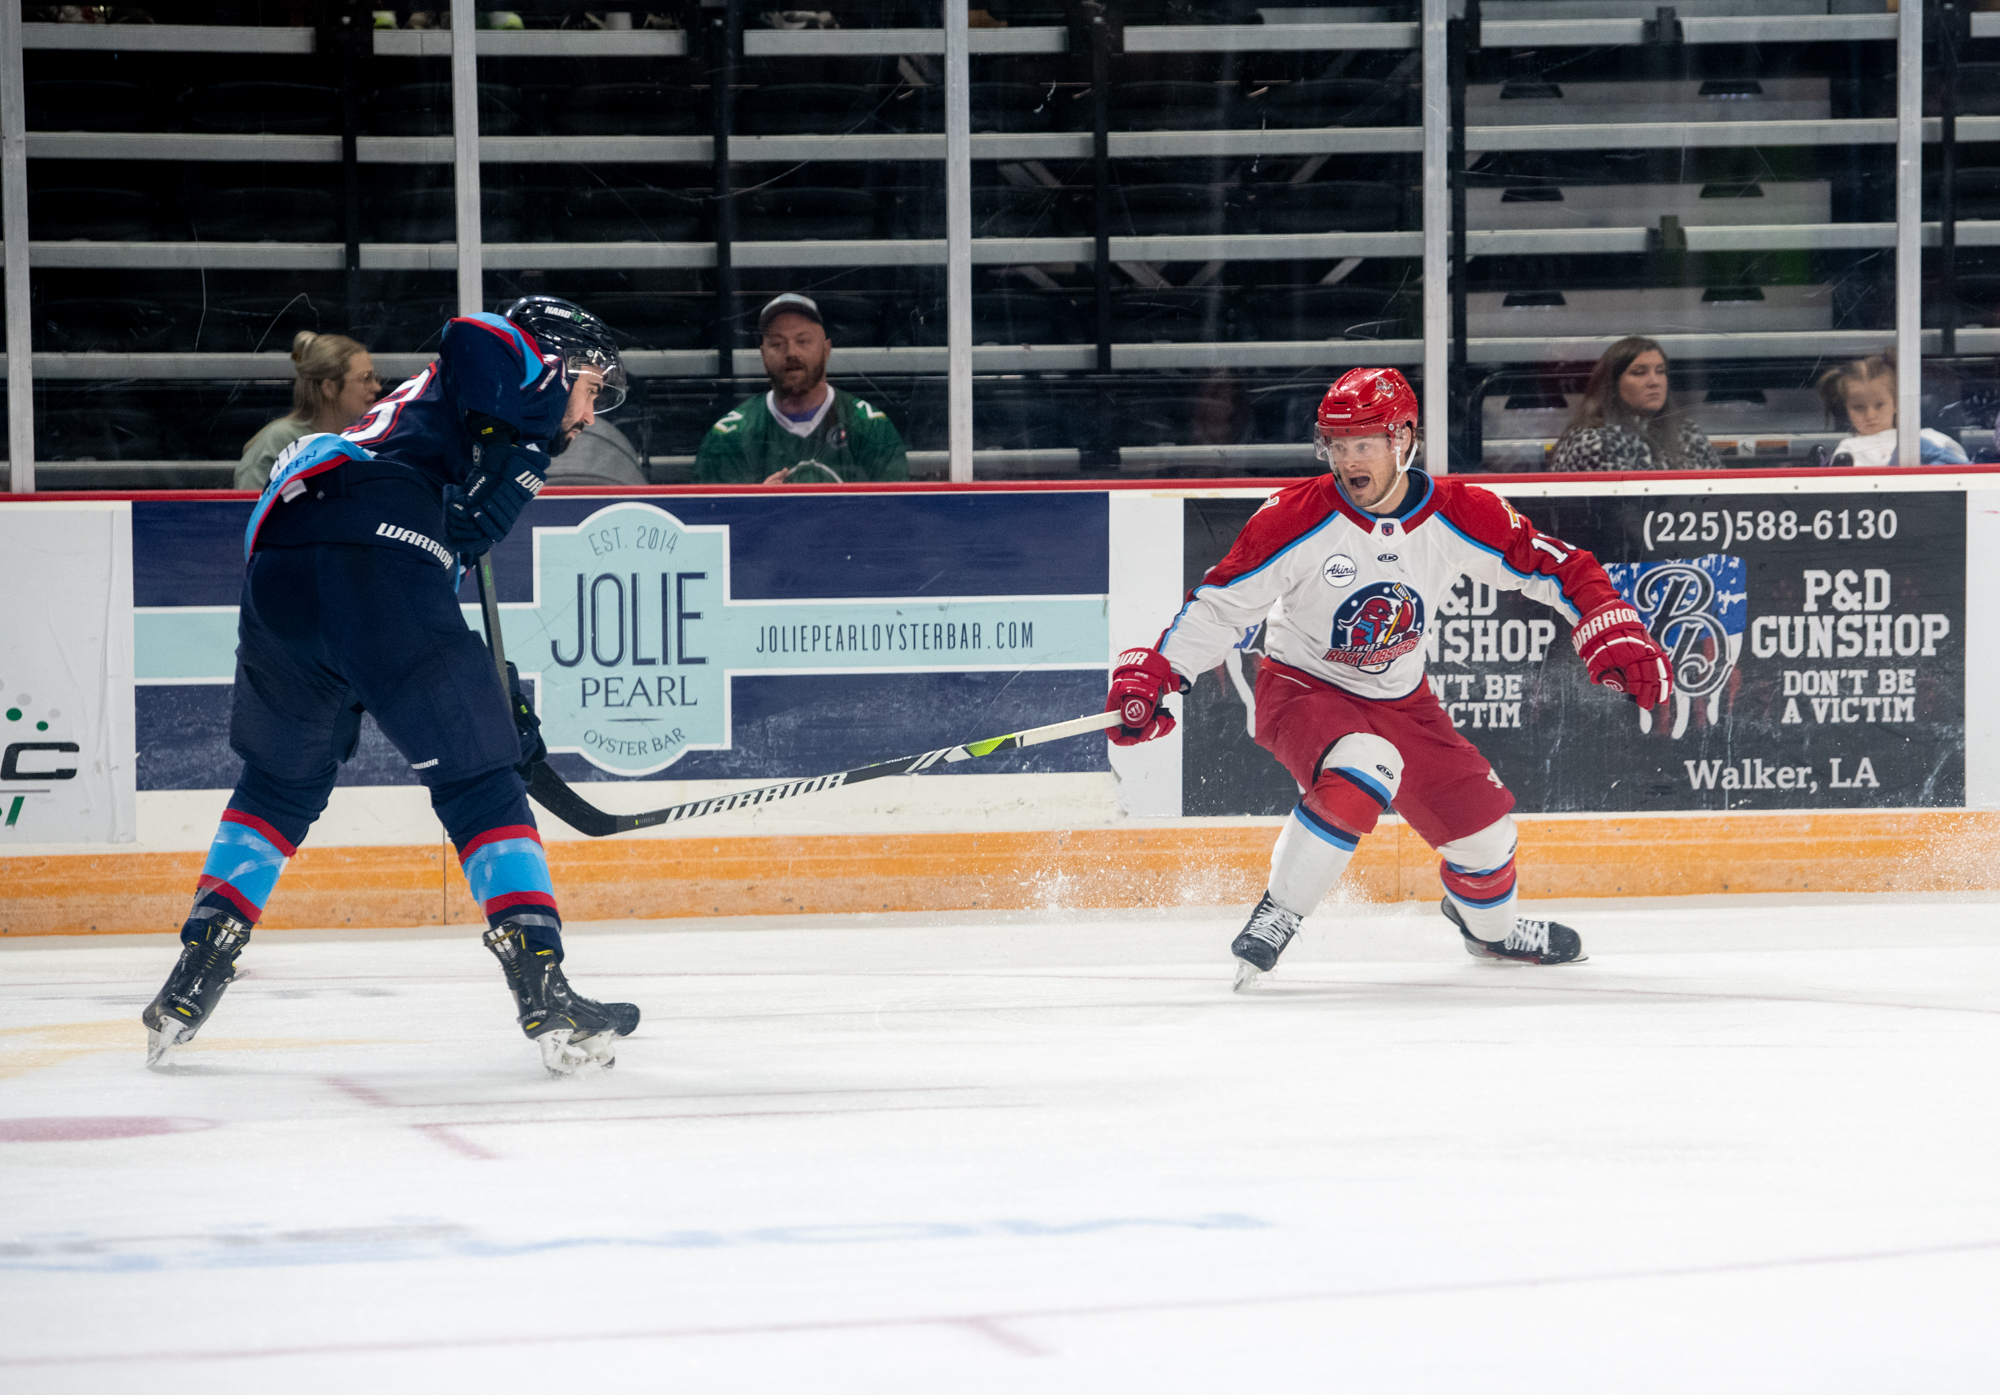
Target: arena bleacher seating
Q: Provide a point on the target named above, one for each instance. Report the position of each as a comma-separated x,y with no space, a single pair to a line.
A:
1239,239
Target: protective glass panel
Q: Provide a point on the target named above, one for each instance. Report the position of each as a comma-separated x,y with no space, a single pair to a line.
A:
832,192
1674,229
1720,181
1174,304
1958,398
189,211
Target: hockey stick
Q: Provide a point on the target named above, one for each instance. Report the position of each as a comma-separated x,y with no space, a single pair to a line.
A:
489,613
553,793
559,799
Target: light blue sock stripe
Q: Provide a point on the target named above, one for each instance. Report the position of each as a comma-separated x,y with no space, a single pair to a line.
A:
246,859
1367,782
1323,832
514,864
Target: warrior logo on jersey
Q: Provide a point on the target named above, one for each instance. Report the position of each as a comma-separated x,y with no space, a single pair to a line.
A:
1376,626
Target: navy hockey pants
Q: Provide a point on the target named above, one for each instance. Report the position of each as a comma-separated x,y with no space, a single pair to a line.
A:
327,631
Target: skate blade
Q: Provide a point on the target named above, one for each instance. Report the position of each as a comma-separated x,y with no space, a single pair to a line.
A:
1247,975
565,1054
161,1040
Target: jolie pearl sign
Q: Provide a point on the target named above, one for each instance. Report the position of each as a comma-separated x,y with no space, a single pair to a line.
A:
633,636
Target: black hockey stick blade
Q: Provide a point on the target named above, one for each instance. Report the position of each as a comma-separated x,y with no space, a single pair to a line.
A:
554,794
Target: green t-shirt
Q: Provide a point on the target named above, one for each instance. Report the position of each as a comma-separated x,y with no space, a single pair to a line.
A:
853,440
253,471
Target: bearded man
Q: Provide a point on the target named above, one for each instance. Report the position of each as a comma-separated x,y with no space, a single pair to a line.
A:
804,430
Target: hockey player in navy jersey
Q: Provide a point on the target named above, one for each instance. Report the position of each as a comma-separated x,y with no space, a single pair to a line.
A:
350,605
1346,572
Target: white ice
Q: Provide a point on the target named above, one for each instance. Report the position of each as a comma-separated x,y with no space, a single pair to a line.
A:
1753,1145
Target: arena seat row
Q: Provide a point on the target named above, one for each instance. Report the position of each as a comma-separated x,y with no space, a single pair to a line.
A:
312,213
1050,414
1055,414
114,431
1025,415
787,108
243,323
784,108
309,213
235,321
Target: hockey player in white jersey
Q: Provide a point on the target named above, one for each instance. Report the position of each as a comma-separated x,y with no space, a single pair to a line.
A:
1346,571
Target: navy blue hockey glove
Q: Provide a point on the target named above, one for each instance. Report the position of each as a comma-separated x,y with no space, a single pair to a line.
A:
502,482
526,723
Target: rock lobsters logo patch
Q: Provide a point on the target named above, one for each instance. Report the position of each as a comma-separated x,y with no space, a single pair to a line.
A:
1377,625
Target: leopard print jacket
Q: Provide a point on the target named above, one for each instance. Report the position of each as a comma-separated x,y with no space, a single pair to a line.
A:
1615,447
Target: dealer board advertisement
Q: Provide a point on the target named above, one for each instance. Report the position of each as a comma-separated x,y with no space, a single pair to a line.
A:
66,767
1819,633
1818,641
705,636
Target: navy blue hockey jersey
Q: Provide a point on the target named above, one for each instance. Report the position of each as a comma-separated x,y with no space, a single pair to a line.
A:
381,481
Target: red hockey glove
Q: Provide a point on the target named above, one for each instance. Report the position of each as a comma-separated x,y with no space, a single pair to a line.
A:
1622,656
1141,679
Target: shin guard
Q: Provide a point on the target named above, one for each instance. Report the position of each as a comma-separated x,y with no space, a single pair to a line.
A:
1308,859
1359,777
488,820
1478,876
242,871
509,877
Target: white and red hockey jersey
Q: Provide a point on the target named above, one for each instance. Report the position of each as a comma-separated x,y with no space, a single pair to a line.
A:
1351,598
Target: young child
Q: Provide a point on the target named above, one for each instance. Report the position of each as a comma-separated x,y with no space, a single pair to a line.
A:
1864,391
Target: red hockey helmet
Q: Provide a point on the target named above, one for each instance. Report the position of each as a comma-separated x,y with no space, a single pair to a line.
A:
1365,402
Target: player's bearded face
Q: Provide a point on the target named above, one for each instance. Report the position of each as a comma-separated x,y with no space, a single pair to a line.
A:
582,408
1364,465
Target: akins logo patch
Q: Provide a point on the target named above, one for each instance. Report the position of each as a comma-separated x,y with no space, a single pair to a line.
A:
1340,570
1376,626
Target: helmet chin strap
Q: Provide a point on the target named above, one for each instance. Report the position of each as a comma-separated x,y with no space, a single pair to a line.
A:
1405,459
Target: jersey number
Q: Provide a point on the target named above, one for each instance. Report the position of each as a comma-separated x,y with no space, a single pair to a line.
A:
381,418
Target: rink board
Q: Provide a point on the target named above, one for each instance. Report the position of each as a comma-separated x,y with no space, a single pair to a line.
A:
680,643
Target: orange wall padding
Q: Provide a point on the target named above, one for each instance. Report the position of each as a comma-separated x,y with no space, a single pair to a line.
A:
114,893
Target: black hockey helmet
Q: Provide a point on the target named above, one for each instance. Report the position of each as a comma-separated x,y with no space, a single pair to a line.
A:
578,337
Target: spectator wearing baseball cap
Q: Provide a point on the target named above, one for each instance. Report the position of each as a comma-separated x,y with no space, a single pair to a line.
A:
804,430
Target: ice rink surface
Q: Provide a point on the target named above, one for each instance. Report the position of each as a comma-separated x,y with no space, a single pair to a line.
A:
1752,1146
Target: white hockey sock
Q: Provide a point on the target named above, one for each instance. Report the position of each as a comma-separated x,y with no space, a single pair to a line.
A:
1309,857
1489,923
1478,876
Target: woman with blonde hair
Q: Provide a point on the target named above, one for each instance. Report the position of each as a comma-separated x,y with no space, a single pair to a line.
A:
1624,422
336,384
1864,392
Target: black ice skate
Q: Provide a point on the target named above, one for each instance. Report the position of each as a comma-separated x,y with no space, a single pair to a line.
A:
1258,945
192,990
1529,942
573,1031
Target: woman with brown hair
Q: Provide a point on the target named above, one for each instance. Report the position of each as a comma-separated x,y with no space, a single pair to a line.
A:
336,384
1624,423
